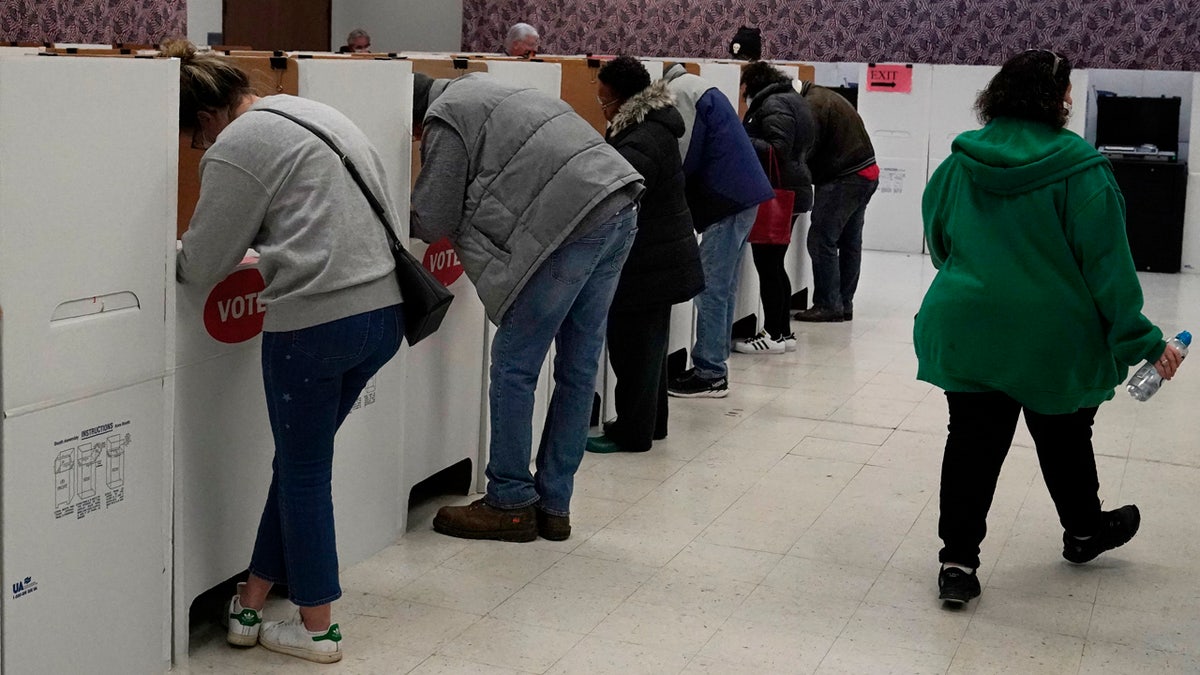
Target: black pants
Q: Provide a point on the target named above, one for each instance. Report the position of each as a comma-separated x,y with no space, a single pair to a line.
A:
775,288
981,430
637,349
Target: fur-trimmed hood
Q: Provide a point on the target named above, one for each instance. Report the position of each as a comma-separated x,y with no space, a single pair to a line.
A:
653,98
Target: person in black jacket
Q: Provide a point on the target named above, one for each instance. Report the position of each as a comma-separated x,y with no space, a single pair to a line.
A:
663,267
781,127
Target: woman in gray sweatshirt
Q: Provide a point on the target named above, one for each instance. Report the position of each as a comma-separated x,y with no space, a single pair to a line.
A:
332,318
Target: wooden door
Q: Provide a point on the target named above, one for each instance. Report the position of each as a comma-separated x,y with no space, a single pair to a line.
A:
293,25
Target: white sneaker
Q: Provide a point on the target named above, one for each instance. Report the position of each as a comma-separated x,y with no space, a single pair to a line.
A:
789,342
760,344
244,623
292,638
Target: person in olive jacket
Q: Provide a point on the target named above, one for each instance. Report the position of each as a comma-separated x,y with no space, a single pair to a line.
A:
663,267
781,127
1035,309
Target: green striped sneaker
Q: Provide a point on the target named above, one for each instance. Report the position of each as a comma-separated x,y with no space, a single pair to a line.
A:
244,623
292,638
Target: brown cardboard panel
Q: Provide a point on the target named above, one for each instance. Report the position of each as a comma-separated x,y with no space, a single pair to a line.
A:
189,182
266,82
579,88
444,67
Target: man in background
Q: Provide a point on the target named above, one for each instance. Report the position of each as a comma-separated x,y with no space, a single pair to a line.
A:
522,40
357,42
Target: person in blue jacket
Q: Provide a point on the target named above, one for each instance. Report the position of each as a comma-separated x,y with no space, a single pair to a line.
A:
725,185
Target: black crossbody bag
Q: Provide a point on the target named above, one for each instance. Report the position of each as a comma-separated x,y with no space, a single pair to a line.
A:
426,300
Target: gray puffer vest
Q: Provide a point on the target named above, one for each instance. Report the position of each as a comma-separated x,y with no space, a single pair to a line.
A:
536,169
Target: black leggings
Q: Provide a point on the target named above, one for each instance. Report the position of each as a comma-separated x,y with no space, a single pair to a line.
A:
981,430
774,286
637,349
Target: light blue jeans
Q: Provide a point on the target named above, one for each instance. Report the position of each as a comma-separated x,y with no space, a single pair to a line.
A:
721,248
565,301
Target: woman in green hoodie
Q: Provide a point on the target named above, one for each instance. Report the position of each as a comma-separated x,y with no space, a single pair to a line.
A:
1036,307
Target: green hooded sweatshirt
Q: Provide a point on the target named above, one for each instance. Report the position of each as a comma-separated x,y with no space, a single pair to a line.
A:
1036,294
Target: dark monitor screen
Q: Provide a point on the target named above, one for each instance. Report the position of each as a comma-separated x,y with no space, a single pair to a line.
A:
1134,120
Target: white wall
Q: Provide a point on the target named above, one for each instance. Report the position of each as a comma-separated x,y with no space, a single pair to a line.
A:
203,17
400,25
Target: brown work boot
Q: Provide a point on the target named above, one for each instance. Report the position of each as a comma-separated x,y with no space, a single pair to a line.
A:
478,520
552,527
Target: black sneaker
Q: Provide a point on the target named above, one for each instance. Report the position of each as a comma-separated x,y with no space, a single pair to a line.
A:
956,586
820,315
1116,528
691,385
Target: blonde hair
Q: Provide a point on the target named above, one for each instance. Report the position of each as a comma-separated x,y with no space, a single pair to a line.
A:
206,82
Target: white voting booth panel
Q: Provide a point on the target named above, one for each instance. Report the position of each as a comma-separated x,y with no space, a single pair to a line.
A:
748,299
223,442
1191,225
898,124
6,52
86,534
1194,130
83,249
545,77
1191,221
724,76
797,263
84,444
445,380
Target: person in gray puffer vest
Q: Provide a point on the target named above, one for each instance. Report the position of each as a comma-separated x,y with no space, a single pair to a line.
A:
542,213
664,265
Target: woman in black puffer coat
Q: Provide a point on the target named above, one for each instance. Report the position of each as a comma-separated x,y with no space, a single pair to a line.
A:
778,122
664,264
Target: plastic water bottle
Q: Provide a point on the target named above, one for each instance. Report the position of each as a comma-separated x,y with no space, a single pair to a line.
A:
1146,381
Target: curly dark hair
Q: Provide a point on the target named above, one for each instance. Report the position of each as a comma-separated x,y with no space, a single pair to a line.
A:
759,75
1029,86
625,75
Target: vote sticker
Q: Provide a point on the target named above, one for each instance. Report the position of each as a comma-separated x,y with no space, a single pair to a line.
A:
233,312
442,260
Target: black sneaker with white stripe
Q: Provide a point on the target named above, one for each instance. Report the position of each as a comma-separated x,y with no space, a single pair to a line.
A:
691,385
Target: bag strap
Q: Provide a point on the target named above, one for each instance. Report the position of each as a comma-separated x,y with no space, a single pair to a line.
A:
376,206
773,161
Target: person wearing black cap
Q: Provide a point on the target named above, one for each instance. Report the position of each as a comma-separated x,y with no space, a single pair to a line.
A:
542,213
746,44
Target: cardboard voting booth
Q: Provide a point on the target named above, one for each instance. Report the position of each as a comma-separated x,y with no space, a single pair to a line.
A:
894,102
86,398
223,444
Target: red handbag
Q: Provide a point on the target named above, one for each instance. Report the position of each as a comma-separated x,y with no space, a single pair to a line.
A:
773,224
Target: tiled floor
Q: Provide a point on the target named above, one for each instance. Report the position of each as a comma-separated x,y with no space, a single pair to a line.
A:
791,528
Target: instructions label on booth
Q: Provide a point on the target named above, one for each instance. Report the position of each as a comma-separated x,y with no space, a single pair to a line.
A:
89,469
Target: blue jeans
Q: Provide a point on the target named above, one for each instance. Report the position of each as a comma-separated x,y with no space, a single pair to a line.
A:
721,248
312,378
835,240
565,301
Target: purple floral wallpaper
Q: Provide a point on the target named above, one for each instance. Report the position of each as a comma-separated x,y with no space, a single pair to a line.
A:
1142,34
92,21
